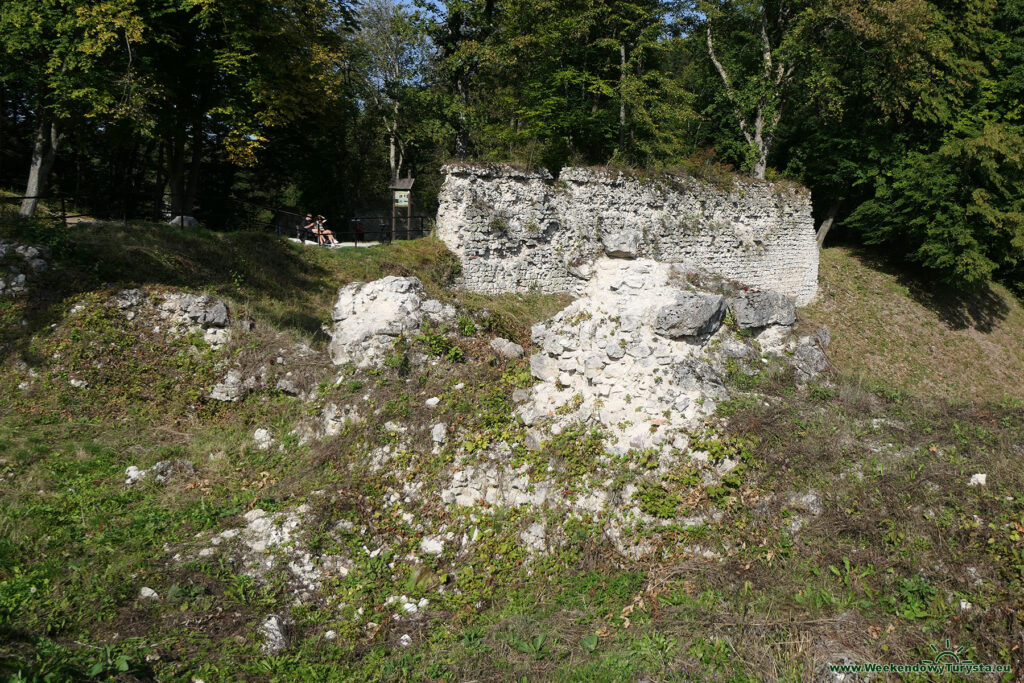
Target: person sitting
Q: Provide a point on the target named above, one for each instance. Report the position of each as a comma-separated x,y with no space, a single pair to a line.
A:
307,227
325,235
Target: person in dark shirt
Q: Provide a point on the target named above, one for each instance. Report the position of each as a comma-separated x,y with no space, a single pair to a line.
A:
308,227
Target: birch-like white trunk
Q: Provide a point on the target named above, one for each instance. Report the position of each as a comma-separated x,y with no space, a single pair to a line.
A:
44,152
760,136
826,224
622,97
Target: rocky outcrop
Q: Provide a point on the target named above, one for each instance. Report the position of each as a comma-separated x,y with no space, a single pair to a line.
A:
370,316
19,262
640,353
754,309
692,314
517,230
195,313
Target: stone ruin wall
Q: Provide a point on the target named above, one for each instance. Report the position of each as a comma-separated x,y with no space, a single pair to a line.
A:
518,230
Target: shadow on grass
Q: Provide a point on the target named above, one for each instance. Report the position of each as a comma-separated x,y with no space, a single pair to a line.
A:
290,286
980,310
267,276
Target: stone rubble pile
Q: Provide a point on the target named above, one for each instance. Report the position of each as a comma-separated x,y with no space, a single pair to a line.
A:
295,370
198,313
179,313
269,543
637,353
236,385
162,472
17,262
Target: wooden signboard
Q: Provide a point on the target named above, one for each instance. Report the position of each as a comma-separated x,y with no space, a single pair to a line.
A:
400,198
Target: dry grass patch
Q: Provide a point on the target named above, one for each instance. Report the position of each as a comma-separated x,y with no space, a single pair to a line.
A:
893,330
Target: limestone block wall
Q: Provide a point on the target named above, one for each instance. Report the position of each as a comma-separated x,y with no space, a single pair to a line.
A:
517,230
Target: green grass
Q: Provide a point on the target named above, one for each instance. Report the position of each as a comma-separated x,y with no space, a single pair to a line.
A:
290,286
757,592
897,330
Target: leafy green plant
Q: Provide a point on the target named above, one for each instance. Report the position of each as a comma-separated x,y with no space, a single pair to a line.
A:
536,646
656,646
466,326
822,393
713,653
656,501
913,599
576,449
400,406
472,636
439,345
110,663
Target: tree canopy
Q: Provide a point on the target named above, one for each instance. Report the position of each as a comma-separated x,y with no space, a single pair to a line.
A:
904,117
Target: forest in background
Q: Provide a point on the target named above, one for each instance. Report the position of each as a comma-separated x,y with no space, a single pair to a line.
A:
904,117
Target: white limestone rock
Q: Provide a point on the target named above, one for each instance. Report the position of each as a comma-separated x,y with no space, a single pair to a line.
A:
621,243
691,314
263,439
370,316
188,313
432,545
439,433
230,389
808,359
274,634
506,348
162,472
235,386
534,538
184,221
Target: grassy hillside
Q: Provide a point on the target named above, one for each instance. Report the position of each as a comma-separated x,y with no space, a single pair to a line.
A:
906,333
285,284
850,530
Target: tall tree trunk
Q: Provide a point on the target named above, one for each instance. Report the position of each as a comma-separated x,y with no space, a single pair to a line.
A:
182,176
778,79
622,98
395,155
826,224
4,116
462,144
140,164
44,151
761,164
176,174
159,182
192,183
